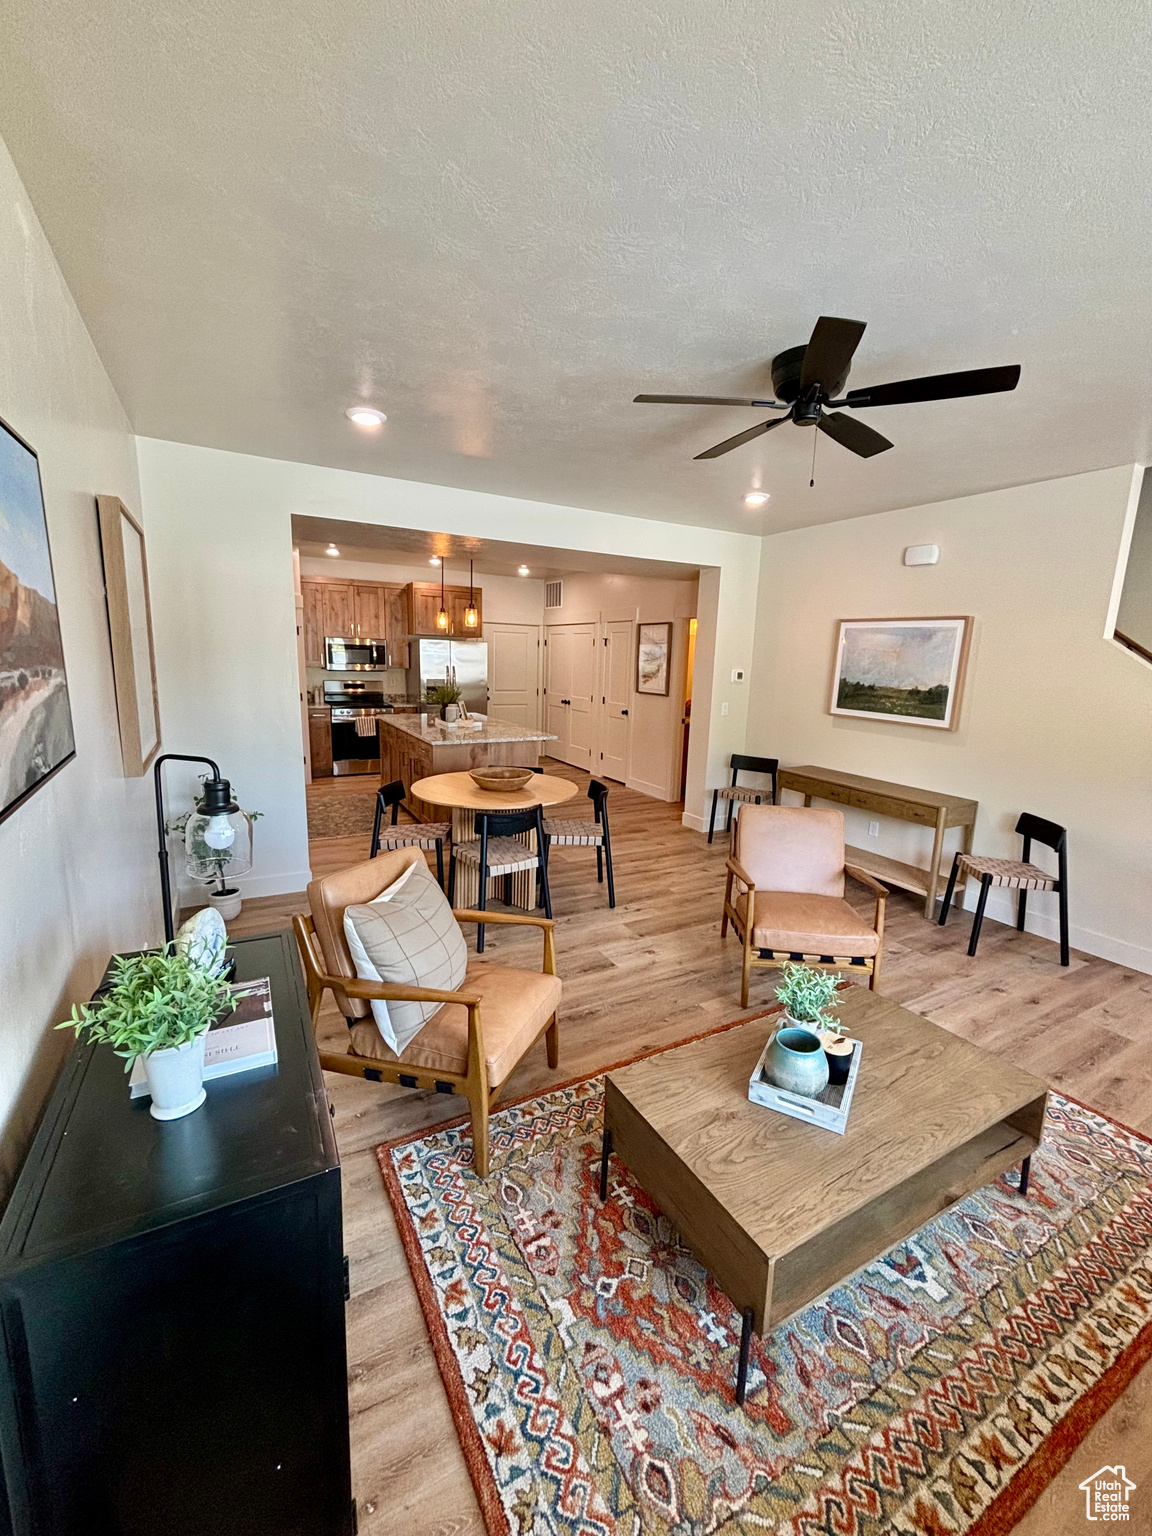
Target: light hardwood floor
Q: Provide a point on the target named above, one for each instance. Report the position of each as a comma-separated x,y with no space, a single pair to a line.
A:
647,975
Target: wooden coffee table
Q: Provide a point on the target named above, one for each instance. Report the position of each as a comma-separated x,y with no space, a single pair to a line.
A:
778,1211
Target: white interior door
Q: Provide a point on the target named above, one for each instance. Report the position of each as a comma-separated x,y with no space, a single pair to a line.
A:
616,698
514,673
571,672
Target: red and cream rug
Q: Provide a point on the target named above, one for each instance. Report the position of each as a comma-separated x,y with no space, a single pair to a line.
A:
589,1361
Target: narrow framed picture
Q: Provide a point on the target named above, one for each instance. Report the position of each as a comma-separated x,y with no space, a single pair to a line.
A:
130,632
909,671
36,737
653,653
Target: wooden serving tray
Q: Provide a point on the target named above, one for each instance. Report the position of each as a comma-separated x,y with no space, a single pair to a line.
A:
829,1111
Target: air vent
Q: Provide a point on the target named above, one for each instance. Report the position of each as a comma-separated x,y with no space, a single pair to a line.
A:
553,594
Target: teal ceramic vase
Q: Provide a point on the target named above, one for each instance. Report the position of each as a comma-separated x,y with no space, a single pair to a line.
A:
796,1062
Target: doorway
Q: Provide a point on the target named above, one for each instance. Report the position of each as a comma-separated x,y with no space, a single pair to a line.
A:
686,715
569,691
616,698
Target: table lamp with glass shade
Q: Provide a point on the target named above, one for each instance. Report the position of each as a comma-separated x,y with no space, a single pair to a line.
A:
217,836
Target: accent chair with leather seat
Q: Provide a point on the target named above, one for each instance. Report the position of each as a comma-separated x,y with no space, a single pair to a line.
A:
472,1044
784,894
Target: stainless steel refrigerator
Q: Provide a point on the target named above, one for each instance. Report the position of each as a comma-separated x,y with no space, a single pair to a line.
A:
464,662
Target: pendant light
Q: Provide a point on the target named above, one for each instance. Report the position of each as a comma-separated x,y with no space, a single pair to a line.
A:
471,617
442,616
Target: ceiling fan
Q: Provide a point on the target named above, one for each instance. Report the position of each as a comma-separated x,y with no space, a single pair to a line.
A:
807,378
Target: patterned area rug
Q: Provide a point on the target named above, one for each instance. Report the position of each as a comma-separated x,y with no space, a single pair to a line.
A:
340,815
589,1361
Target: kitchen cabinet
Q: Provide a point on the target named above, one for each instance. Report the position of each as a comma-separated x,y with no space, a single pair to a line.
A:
424,605
396,625
320,742
338,616
313,593
368,602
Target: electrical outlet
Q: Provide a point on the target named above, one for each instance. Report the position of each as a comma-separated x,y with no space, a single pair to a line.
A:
723,709
873,829
737,674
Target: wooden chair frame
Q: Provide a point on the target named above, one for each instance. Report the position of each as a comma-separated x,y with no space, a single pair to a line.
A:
472,1084
771,959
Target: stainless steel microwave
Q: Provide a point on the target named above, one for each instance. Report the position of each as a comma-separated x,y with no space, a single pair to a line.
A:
358,655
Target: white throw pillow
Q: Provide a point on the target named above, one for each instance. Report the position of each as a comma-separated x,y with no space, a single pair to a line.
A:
408,934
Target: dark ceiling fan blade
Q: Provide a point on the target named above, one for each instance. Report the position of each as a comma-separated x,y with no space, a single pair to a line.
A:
741,437
828,355
853,435
770,405
938,386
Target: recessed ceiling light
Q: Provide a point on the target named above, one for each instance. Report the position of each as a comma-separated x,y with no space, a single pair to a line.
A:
756,498
435,560
331,550
522,570
366,416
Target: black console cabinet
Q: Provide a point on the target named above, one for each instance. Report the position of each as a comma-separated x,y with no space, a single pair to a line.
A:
172,1359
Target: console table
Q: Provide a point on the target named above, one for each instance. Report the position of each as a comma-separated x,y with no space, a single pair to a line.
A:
925,806
172,1353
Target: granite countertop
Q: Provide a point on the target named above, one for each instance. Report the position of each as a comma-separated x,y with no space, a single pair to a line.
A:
437,735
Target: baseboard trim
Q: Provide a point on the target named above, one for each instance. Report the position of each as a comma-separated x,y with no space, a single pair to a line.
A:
695,823
653,791
250,887
1002,908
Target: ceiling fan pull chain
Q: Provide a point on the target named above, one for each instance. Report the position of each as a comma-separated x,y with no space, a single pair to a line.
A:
812,482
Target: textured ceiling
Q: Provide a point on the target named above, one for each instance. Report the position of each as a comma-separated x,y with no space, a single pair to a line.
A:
490,557
500,221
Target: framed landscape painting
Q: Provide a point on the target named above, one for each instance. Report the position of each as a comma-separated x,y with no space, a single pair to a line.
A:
35,713
909,671
653,650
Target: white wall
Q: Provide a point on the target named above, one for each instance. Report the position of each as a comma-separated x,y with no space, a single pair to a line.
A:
220,553
1055,719
77,861
657,738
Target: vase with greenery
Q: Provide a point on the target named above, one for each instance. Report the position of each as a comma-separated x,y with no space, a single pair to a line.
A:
809,996
447,696
159,1007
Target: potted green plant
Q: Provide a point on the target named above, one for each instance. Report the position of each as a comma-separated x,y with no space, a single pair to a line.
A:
215,865
159,1007
809,996
447,696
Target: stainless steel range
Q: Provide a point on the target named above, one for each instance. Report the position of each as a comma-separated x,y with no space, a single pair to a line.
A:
355,743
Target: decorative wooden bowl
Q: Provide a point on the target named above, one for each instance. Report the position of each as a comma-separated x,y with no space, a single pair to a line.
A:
499,779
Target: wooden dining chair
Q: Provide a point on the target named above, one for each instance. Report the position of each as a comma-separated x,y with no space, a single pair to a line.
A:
422,834
499,851
742,794
1016,874
579,832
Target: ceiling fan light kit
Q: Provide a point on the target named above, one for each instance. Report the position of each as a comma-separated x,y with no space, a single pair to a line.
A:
807,380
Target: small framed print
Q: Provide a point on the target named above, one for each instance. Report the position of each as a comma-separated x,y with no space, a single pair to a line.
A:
909,671
653,657
130,632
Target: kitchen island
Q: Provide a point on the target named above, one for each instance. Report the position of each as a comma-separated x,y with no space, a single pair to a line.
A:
410,750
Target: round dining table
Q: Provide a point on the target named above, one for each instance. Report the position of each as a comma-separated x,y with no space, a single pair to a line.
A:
459,793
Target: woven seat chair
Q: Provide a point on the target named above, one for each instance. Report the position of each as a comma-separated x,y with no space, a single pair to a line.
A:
742,794
578,832
480,1034
499,851
421,834
1017,875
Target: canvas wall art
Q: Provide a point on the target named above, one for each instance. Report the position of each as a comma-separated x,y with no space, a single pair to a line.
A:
35,713
910,671
653,650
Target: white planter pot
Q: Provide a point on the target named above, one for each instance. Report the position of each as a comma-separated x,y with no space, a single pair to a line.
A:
227,903
176,1079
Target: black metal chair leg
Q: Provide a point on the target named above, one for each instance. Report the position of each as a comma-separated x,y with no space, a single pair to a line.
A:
950,889
452,878
978,920
608,863
507,890
745,1348
599,865
605,1154
481,905
440,862
1025,1172
1063,898
712,818
1021,909
728,819
376,826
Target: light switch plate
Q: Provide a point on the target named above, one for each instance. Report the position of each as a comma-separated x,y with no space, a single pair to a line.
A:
922,554
873,829
723,709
